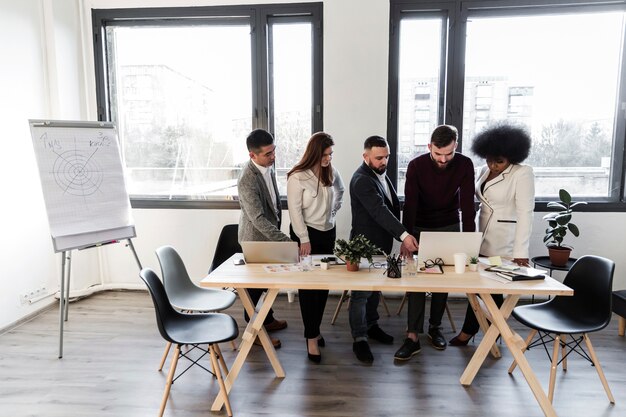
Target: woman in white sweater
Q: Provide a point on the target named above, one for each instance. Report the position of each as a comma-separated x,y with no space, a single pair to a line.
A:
314,194
506,191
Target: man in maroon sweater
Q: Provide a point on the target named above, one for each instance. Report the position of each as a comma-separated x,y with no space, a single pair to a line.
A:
439,184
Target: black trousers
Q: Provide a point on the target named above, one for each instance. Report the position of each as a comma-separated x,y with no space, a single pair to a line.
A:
313,302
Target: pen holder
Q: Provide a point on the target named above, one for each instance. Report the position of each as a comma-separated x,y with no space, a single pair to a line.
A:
393,268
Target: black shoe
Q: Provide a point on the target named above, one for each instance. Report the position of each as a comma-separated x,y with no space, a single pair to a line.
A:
321,342
376,333
312,357
407,350
436,338
362,351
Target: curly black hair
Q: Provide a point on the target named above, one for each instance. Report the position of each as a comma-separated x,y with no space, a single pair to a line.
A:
505,140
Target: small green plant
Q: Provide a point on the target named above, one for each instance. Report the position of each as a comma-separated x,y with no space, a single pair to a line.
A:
326,260
356,248
473,260
559,223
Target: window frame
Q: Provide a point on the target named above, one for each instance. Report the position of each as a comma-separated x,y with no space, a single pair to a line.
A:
458,13
259,17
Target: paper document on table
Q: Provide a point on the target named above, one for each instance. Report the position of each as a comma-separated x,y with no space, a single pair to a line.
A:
282,268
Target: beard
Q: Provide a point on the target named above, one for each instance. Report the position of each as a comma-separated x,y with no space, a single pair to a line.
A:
379,171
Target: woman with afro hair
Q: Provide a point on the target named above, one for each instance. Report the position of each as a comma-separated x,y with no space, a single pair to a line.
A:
506,191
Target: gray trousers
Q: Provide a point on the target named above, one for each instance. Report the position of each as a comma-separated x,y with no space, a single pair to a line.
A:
417,300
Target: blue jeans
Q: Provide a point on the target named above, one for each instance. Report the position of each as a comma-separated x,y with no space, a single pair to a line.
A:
363,313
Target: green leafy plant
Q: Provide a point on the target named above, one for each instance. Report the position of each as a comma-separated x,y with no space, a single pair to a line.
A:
560,222
326,260
356,248
473,260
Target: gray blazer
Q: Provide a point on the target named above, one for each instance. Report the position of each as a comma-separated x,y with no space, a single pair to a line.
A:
258,219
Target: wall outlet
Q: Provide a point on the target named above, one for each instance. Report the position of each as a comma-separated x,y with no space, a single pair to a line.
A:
24,298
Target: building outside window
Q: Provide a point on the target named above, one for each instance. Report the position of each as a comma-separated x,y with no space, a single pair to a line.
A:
554,68
185,86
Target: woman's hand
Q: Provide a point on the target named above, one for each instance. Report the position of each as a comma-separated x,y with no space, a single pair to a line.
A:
521,261
305,249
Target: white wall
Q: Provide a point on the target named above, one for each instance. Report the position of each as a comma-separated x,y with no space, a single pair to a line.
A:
355,106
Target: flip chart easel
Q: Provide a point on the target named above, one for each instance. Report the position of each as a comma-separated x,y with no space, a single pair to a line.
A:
82,179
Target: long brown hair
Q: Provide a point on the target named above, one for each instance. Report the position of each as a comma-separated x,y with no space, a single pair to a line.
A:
312,158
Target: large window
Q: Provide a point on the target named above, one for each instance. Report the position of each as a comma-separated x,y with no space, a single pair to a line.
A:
185,86
555,67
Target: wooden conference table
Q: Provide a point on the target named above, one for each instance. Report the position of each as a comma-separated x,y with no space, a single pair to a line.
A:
474,284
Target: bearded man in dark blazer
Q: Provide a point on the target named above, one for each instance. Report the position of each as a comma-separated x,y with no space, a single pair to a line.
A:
376,215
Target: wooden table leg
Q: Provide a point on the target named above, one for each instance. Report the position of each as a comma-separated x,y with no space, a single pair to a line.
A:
482,321
255,328
499,320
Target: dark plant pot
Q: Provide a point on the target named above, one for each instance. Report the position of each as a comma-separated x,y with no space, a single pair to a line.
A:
559,255
352,266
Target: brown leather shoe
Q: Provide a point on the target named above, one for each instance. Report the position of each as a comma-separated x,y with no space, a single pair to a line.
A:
276,325
275,342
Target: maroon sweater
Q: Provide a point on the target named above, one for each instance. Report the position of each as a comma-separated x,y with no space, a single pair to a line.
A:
433,196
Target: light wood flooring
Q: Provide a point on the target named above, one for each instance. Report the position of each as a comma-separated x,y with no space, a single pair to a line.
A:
112,350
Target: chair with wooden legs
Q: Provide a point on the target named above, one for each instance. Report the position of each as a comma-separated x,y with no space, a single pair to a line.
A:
619,308
404,298
184,294
567,321
345,296
190,329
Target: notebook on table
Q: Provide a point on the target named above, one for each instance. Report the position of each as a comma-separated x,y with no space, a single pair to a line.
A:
443,245
270,252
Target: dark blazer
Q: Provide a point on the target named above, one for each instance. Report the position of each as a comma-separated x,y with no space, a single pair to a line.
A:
373,214
258,220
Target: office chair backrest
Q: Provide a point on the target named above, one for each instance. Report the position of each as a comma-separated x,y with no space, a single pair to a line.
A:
175,277
227,245
591,278
162,307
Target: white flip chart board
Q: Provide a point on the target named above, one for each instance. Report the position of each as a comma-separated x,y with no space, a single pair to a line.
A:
82,178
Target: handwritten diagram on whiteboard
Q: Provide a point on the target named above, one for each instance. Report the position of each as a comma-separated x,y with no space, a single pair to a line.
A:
82,177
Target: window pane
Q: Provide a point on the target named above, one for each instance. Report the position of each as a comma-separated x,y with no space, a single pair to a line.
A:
182,100
291,65
560,79
418,89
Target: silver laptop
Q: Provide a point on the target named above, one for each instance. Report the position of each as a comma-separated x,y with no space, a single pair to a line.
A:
444,245
270,252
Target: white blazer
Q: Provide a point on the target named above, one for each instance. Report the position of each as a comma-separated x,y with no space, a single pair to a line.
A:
505,214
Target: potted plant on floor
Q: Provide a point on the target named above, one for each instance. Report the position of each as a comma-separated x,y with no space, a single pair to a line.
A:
559,223
353,250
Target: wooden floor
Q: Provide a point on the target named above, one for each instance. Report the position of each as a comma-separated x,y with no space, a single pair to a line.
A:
112,349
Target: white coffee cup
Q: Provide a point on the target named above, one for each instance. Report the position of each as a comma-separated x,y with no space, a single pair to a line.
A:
459,262
291,295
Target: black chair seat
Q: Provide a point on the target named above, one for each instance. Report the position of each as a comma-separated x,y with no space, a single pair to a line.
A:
195,329
619,302
551,319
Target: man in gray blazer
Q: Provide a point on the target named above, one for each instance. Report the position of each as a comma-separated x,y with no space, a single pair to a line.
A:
376,215
260,206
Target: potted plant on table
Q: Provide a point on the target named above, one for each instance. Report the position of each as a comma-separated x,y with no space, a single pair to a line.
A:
473,263
353,250
324,262
559,223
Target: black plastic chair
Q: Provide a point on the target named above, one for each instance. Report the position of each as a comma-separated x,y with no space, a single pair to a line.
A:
227,245
588,310
184,294
189,329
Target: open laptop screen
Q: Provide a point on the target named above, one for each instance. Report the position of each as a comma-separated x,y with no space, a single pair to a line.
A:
270,252
444,245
